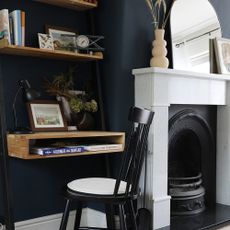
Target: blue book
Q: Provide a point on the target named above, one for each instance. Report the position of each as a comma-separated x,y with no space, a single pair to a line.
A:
11,30
17,27
57,150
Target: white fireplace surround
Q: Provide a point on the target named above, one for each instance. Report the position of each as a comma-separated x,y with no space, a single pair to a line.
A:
157,89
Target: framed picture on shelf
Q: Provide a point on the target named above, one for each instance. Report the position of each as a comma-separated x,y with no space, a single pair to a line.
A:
63,38
46,116
222,55
45,41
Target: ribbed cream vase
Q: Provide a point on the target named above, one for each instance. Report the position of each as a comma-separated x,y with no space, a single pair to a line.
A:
159,50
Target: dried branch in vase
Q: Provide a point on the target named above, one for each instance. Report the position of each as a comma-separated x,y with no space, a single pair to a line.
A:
158,10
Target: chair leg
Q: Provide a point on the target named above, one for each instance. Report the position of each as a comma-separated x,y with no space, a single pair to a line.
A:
78,216
65,216
132,215
123,225
109,210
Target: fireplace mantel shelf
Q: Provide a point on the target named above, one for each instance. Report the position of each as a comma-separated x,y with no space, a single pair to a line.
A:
170,86
180,73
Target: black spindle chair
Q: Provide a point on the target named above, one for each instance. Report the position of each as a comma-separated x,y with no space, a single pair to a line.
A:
115,192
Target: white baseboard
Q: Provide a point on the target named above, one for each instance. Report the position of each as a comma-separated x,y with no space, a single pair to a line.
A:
90,217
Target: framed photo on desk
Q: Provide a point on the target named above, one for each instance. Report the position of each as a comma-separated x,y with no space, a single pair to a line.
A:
46,116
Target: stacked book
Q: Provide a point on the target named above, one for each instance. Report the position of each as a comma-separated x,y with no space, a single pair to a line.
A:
12,26
75,149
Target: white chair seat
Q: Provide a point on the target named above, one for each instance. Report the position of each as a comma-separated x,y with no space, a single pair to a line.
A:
96,185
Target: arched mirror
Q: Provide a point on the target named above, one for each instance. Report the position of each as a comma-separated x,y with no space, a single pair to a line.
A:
193,23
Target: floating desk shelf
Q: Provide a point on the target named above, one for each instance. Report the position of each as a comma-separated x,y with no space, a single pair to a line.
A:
49,54
71,4
19,144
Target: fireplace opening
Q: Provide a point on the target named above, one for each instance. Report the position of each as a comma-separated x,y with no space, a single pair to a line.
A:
191,166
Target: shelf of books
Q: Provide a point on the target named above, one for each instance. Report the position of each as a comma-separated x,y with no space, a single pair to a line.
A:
72,4
64,144
49,54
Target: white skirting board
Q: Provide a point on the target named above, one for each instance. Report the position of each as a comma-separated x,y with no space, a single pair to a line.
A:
90,217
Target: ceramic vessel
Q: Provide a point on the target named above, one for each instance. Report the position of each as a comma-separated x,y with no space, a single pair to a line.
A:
83,120
159,50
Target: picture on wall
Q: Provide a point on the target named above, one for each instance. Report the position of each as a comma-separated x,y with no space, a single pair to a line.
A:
46,116
63,38
222,54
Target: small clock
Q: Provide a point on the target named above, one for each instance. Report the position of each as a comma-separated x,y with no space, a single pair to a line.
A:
82,41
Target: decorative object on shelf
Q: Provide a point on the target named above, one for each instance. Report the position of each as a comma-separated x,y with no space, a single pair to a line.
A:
29,94
86,43
63,38
222,55
45,41
46,116
89,43
78,105
159,50
82,41
158,12
82,108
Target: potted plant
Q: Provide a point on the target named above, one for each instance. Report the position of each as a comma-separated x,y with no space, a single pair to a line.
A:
78,106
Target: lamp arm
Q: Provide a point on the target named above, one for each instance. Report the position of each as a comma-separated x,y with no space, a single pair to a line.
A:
14,109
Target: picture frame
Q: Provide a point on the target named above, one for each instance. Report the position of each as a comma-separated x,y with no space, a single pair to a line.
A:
45,41
222,55
60,41
46,115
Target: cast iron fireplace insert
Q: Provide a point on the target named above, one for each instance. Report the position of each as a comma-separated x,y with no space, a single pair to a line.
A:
196,157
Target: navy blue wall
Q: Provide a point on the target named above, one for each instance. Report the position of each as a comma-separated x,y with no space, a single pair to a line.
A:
36,185
126,25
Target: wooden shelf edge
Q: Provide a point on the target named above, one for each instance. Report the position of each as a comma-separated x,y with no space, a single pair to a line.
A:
70,4
48,54
19,144
67,134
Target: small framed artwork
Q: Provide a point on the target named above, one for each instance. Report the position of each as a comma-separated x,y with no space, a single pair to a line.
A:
45,41
46,116
222,54
63,38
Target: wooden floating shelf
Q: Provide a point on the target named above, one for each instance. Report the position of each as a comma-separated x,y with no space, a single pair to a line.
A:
49,54
19,144
71,4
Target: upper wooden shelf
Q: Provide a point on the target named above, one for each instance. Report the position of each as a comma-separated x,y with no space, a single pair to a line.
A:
71,4
19,144
49,54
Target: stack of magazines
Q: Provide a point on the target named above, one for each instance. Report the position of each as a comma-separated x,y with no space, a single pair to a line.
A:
75,149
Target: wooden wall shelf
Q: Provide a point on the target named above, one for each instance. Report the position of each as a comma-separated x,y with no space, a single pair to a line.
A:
71,4
48,54
19,144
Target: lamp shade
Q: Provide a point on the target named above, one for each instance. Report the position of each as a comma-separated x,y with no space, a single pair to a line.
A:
29,94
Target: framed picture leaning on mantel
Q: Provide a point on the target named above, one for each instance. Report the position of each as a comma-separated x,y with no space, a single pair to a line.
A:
222,55
46,115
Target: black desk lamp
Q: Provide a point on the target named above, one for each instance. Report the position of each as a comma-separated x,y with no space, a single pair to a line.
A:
29,94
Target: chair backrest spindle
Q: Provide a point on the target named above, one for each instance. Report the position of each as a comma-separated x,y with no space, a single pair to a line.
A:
136,146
